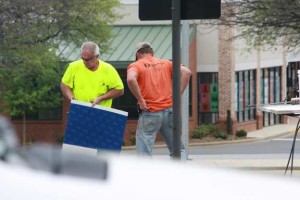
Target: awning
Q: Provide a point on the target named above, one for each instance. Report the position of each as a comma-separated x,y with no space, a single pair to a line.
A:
124,40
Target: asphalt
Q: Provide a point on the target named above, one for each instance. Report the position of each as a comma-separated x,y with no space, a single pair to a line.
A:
252,163
259,164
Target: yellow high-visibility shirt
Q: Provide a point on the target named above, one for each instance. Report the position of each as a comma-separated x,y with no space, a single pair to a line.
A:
87,85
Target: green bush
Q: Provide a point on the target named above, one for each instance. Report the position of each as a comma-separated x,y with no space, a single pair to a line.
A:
204,130
132,140
59,138
221,134
241,133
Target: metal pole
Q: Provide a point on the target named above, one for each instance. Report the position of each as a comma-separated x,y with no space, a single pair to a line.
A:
298,83
177,126
185,97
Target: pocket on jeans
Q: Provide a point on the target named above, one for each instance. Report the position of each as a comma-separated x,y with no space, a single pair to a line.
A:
150,123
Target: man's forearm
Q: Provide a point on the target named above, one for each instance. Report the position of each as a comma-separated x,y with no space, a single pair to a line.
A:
135,90
184,78
111,94
66,91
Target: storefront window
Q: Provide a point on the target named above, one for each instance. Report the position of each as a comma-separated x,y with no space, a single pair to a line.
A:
208,98
245,95
270,92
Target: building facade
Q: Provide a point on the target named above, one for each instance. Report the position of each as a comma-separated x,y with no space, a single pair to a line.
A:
226,79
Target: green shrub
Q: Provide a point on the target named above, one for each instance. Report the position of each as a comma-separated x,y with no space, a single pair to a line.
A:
221,134
132,139
204,130
241,133
59,138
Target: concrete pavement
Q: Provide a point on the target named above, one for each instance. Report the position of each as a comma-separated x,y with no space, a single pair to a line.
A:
262,164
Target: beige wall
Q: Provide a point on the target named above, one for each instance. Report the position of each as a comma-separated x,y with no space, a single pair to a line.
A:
207,49
246,59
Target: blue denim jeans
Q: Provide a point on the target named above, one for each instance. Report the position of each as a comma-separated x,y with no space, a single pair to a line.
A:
149,124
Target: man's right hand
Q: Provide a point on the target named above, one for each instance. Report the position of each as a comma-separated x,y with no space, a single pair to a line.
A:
143,105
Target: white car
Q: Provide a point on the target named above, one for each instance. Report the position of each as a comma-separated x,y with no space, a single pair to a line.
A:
45,172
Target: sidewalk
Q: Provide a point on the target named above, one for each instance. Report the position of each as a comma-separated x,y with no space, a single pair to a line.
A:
262,134
261,164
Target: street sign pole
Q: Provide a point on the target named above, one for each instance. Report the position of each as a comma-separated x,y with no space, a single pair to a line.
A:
177,118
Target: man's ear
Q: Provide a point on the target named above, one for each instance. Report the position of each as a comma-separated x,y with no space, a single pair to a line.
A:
136,56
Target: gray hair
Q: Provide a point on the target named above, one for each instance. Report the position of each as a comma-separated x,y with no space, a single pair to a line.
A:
90,46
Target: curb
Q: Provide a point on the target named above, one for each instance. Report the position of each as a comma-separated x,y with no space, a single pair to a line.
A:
295,168
250,139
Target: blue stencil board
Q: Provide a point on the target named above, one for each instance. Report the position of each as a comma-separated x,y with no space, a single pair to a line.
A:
95,127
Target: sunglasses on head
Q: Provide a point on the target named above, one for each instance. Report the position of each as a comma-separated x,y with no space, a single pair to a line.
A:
88,59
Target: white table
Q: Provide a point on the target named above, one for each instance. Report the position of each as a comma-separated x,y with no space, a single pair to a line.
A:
281,108
285,109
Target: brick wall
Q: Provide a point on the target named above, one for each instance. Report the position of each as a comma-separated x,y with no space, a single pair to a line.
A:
247,126
39,131
193,122
226,78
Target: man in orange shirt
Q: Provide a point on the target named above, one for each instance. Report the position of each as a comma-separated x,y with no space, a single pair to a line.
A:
150,81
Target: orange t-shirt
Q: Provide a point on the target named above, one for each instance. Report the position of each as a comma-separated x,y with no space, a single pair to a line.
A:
155,81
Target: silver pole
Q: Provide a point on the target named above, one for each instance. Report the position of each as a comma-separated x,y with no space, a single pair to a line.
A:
299,83
185,97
